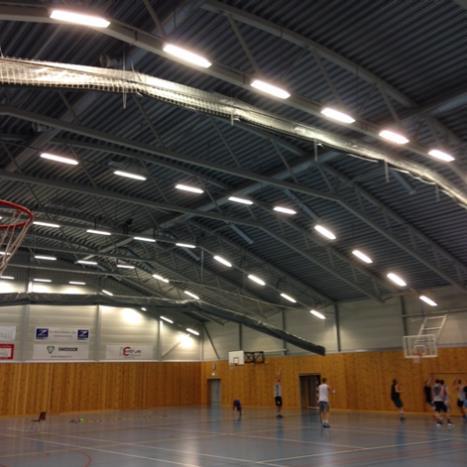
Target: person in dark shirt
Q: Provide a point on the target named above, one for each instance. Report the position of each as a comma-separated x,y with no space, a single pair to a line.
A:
396,398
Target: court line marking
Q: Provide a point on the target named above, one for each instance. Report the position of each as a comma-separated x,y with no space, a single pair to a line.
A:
372,448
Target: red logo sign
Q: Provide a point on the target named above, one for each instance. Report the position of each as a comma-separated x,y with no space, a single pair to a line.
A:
7,351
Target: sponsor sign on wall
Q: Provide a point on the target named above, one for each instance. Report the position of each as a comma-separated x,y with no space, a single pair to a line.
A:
7,351
7,333
60,352
129,352
62,334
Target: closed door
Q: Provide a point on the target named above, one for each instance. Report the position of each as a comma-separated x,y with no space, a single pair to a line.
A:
214,392
309,390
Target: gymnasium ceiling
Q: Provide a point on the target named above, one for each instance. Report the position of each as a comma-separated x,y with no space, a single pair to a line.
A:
389,63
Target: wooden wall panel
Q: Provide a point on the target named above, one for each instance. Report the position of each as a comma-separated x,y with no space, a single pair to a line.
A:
28,388
362,380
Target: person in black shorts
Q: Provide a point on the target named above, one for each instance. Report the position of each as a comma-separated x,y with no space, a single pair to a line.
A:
237,407
396,398
459,388
439,403
278,397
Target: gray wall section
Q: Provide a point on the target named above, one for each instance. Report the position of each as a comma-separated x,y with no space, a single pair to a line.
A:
107,325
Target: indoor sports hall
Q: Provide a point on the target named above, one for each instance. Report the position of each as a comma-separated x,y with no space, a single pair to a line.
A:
233,233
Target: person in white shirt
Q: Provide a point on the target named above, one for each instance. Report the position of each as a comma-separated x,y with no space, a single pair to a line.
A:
323,401
278,397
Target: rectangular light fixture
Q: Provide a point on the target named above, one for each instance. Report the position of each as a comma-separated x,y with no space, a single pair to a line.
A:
7,278
189,188
160,278
185,245
223,261
325,232
167,320
125,266
337,115
393,137
87,262
2,253
143,308
269,88
56,158
98,232
192,331
284,210
133,176
288,297
237,199
186,55
46,224
77,283
256,279
83,19
45,257
362,256
393,277
427,300
441,155
191,294
145,239
317,314
39,279
107,292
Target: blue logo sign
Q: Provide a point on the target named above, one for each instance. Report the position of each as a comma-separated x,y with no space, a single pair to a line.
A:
83,334
42,333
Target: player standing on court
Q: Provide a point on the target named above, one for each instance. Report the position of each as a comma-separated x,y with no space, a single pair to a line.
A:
278,396
396,398
323,401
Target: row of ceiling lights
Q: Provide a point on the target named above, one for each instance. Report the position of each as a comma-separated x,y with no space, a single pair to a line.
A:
335,114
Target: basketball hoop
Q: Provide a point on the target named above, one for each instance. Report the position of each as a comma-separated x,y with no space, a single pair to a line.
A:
15,221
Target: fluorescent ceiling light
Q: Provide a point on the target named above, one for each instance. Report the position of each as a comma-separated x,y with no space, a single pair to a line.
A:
192,331
223,261
269,88
441,155
288,297
83,19
393,137
362,256
133,176
39,279
87,262
191,294
107,292
46,257
46,224
392,276
285,210
145,239
191,189
7,278
185,245
160,278
428,300
337,115
57,158
256,279
325,232
317,314
236,199
125,266
167,320
143,308
77,283
2,253
186,55
98,232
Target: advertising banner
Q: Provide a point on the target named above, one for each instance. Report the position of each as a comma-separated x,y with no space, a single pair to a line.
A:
7,333
129,352
62,334
7,351
60,352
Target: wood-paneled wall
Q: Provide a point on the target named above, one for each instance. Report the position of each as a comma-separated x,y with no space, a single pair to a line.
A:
362,380
28,388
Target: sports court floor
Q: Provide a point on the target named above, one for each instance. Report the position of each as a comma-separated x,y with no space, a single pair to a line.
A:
211,437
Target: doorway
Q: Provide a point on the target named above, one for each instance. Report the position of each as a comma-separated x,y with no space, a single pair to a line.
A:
309,390
214,392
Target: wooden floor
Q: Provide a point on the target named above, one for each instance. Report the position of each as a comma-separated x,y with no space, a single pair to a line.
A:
212,437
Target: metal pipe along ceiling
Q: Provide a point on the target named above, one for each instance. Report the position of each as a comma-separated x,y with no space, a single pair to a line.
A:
63,76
